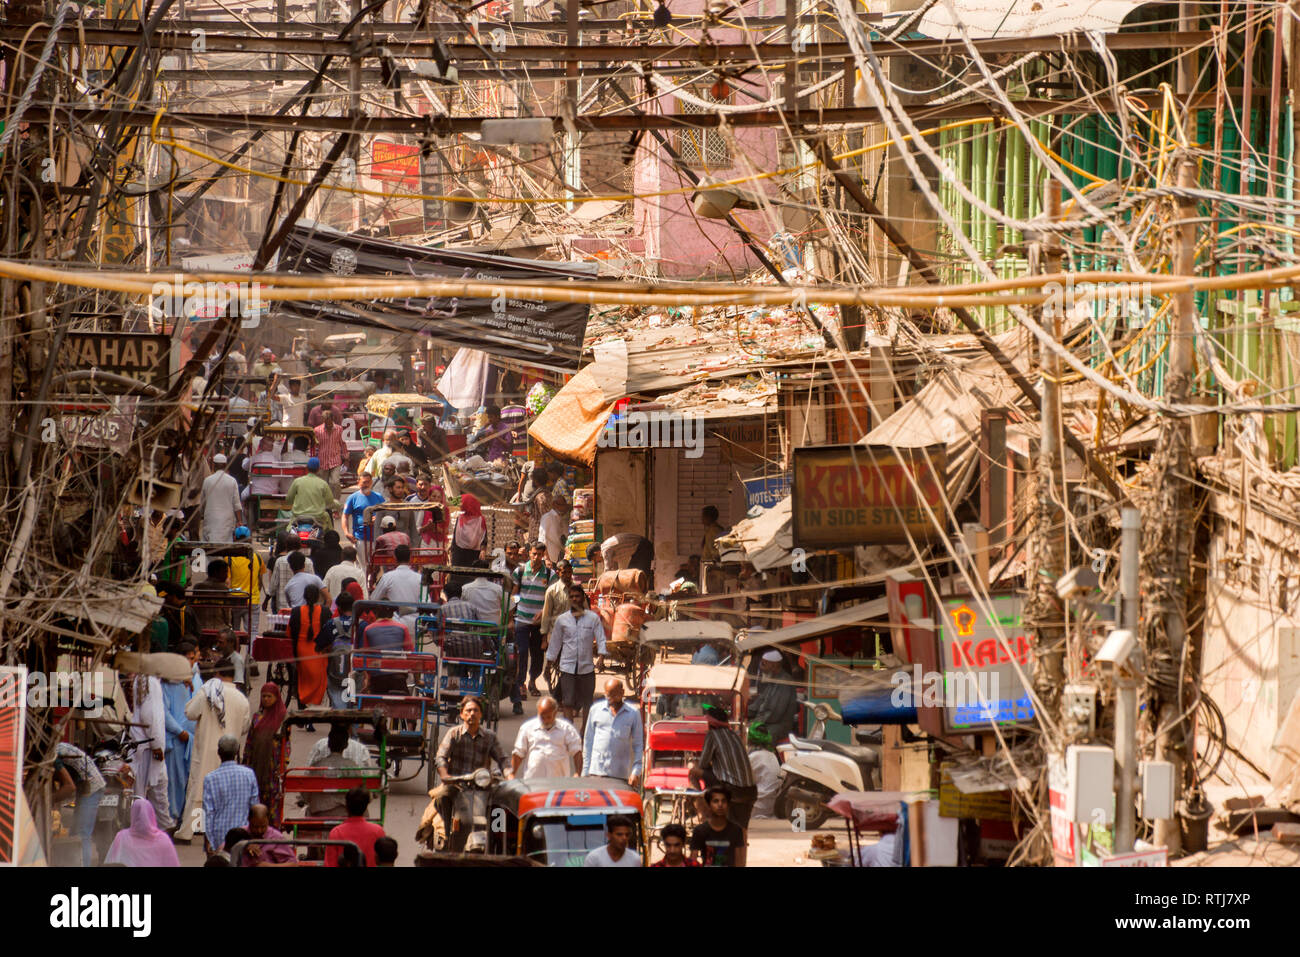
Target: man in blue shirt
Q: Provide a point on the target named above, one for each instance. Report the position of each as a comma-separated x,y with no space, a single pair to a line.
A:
612,745
228,793
354,515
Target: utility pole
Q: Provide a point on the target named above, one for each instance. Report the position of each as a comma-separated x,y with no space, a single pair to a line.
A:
1047,556
354,104
1170,537
1126,701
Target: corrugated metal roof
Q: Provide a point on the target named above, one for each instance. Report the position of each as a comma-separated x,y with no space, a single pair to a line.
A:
1026,18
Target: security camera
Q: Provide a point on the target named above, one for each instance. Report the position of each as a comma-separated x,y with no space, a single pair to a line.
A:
1117,648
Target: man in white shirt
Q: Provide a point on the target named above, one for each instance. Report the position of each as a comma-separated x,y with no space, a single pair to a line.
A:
573,637
487,598
264,457
348,568
616,853
400,585
554,529
547,746
294,404
222,510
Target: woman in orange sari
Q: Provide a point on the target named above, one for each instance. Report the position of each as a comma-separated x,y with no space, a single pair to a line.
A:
305,623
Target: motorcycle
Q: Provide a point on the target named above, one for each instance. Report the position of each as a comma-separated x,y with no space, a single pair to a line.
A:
306,528
814,770
468,829
112,758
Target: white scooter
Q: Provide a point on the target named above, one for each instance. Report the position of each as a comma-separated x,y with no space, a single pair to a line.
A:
814,770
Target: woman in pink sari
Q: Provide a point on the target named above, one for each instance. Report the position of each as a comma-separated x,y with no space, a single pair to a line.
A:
143,844
469,533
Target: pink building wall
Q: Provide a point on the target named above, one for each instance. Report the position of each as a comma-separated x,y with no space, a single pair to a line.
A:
677,242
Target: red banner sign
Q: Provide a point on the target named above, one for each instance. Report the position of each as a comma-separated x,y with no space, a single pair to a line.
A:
395,162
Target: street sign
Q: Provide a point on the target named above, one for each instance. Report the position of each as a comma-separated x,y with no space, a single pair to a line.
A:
766,492
143,356
868,495
99,428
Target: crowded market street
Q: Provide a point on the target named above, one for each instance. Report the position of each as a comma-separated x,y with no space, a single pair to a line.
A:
746,434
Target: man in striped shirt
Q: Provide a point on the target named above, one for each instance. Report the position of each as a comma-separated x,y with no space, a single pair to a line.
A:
531,581
330,450
724,760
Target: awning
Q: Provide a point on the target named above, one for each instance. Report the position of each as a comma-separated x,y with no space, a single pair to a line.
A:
545,334
821,625
1026,18
767,540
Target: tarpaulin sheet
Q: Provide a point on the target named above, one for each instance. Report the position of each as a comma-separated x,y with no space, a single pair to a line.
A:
545,334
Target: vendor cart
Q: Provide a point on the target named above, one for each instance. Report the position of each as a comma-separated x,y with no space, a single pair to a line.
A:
622,605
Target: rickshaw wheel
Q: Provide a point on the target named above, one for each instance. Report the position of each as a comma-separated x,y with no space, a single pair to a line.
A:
396,774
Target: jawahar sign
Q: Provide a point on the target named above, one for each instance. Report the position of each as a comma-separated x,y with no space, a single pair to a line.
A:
867,495
142,356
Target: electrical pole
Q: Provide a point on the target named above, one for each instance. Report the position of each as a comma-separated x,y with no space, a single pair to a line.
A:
1047,556
354,103
1126,702
1169,534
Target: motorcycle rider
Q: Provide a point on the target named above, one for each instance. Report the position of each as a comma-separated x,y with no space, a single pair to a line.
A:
466,748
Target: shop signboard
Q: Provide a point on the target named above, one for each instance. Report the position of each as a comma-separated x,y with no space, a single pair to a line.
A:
13,719
867,495
143,356
766,492
981,642
395,162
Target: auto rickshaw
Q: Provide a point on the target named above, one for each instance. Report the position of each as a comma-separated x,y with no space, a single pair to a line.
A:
559,821
672,713
382,408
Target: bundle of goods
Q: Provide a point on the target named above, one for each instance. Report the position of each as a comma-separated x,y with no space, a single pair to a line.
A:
584,503
582,535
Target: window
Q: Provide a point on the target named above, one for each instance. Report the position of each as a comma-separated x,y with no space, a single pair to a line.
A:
705,148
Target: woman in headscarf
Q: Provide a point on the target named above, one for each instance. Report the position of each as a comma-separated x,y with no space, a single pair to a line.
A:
264,748
469,533
143,844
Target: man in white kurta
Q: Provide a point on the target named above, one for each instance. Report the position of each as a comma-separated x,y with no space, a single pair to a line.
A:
148,762
547,746
210,725
222,510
